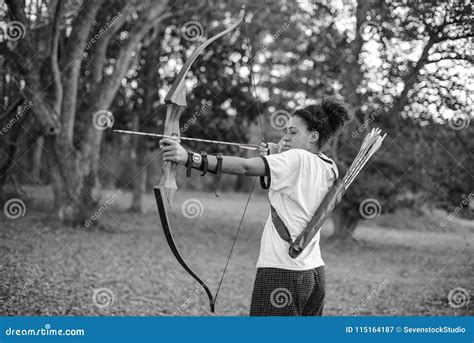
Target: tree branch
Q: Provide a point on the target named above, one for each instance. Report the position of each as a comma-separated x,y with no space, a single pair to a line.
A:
22,46
15,58
409,81
54,63
462,58
99,51
149,16
71,63
80,31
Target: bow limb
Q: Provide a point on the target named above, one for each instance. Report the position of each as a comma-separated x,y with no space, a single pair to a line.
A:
169,238
176,103
177,93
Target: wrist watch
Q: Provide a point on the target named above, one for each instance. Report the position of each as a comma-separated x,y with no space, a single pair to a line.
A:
197,159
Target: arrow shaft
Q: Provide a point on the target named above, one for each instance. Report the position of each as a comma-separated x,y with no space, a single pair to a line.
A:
240,145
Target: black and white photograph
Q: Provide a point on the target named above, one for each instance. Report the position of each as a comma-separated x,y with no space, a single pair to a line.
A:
209,158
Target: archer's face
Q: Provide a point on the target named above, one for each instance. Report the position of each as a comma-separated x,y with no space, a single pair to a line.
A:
297,136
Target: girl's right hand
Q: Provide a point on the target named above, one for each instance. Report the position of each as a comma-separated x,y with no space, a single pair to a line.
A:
268,149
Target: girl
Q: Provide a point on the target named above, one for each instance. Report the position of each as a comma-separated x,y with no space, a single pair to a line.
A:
298,176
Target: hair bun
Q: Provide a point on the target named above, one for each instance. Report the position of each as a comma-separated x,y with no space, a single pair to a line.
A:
336,111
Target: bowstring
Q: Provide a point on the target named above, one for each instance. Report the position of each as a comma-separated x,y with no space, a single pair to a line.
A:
255,178
235,239
252,78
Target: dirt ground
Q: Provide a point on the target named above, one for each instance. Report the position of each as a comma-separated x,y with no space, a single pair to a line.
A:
399,264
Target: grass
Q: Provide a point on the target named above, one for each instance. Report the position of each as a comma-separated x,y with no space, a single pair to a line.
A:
393,267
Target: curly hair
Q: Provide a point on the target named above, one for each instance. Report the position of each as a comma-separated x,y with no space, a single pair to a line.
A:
327,117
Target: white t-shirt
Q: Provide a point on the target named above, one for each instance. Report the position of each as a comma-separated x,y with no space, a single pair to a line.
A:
299,182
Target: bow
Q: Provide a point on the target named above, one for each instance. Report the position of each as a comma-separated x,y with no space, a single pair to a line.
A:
164,192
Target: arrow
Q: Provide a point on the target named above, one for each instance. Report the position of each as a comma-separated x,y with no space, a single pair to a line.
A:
240,145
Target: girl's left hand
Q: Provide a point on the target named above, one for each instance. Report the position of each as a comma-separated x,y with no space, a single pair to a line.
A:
173,151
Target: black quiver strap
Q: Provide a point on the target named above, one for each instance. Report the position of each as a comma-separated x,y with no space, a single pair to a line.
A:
205,163
280,227
189,164
218,173
266,181
330,201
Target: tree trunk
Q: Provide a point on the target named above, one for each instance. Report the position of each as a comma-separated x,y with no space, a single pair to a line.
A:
74,195
53,89
82,193
36,160
139,166
345,223
149,75
139,184
10,140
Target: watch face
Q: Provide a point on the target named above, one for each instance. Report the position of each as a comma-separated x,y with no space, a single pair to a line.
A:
196,158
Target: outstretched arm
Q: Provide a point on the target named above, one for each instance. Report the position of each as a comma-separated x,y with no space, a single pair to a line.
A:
175,152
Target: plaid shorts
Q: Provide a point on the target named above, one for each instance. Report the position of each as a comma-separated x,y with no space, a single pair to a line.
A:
282,292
